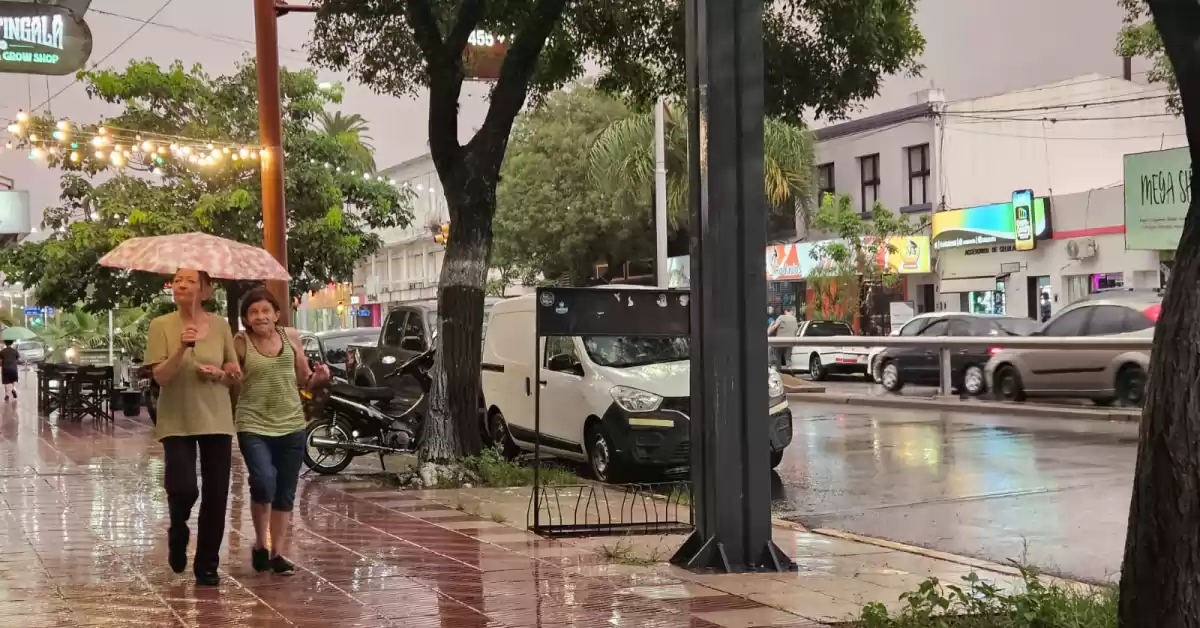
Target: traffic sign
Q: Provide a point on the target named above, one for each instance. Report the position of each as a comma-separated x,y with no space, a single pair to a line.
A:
49,311
33,311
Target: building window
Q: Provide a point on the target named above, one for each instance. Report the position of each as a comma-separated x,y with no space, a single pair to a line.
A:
868,166
825,183
918,174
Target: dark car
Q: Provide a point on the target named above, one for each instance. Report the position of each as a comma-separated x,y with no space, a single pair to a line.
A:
921,366
330,347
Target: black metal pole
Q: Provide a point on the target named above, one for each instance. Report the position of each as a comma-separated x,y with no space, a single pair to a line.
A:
537,423
730,440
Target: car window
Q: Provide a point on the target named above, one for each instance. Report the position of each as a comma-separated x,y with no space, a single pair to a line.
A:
939,328
413,338
913,327
1068,324
1137,320
560,345
960,327
1108,319
312,347
393,329
827,328
1014,326
336,346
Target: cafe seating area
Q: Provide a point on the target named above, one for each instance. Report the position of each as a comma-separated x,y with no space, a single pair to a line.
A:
76,391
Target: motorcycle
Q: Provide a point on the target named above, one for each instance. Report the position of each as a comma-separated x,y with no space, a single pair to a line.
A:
358,420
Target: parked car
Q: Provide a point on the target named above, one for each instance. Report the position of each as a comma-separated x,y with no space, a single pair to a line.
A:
1104,376
330,347
911,328
820,362
922,366
32,351
618,403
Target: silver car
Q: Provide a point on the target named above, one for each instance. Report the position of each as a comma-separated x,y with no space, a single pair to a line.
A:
1104,376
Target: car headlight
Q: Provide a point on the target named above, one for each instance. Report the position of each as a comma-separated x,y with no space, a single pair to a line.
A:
634,400
774,384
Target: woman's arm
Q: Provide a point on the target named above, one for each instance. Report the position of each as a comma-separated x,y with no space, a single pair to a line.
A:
166,365
304,372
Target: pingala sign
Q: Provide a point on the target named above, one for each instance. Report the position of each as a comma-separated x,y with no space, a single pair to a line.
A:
42,39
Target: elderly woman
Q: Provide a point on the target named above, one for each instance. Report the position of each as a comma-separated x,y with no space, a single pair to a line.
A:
194,361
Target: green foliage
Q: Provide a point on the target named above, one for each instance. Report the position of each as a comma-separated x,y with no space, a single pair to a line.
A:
494,471
330,209
979,604
550,218
622,164
81,329
822,56
1139,37
856,255
352,133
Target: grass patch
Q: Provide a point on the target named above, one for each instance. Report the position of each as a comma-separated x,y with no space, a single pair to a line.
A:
623,553
979,604
494,471
498,517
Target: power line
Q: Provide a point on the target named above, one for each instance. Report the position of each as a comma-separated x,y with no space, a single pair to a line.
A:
110,53
1081,105
1056,120
1073,139
223,39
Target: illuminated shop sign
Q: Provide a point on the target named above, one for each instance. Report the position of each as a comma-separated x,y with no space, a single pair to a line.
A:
998,223
42,39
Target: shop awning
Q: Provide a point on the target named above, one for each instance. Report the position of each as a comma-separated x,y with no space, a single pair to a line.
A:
968,284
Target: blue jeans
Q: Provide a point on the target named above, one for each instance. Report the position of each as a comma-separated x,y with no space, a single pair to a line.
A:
273,463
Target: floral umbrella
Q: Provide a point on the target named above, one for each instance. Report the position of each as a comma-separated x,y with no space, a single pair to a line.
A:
219,257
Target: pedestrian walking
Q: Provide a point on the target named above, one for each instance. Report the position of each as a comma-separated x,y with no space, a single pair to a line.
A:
10,366
270,423
194,364
785,326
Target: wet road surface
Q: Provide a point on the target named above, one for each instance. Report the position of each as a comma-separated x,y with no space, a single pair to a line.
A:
1055,491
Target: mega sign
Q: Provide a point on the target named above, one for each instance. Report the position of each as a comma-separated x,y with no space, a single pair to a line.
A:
42,39
998,223
1158,190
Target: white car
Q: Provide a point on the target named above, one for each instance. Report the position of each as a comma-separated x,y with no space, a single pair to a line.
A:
617,403
820,362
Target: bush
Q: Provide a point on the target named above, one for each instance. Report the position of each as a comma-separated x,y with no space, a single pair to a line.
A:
495,471
979,604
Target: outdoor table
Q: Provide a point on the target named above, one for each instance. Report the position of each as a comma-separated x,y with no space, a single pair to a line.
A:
75,391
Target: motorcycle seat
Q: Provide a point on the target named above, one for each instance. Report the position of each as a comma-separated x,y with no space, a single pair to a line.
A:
362,393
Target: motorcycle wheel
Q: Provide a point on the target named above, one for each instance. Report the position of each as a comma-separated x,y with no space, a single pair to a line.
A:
327,460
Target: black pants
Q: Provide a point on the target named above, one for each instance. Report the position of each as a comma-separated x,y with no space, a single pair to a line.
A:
179,479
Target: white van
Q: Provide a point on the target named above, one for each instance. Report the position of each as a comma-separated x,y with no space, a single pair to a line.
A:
618,403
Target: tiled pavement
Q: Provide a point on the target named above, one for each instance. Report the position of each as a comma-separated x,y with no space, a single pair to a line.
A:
82,543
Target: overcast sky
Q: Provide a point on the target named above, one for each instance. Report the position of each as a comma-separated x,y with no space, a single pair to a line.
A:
975,48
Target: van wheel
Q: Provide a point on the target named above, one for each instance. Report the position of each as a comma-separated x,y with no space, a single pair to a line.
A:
1131,386
816,370
1008,385
602,457
502,439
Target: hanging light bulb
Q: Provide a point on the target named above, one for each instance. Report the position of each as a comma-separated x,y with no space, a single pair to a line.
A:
75,156
14,128
33,137
226,150
97,141
244,152
99,154
102,131
148,146
116,159
63,125
22,116
36,153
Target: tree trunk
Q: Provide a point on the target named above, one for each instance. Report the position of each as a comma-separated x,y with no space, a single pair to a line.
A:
1160,579
453,427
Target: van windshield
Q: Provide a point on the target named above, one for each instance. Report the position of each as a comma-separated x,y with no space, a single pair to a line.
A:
630,351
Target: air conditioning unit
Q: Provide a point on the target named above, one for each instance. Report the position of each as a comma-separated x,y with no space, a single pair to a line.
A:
1081,250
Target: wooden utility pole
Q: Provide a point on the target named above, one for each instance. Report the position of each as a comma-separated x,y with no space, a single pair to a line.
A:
270,129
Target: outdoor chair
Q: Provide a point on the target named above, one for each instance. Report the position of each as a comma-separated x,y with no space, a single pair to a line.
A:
91,393
51,387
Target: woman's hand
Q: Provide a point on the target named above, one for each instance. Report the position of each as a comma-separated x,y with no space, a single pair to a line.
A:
233,371
189,336
320,375
210,372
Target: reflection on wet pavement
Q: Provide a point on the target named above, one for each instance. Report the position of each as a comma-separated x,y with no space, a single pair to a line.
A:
82,543
1055,491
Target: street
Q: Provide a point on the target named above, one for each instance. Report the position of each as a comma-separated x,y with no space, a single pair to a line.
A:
1053,492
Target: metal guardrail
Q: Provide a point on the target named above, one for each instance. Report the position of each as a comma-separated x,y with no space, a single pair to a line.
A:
946,344
578,510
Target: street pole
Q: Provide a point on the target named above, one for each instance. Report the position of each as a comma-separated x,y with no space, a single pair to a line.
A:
110,338
731,476
660,194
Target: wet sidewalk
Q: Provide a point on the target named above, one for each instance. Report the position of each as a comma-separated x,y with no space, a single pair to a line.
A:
82,543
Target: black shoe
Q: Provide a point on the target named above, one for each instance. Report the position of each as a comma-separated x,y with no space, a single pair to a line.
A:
207,579
282,566
14,394
177,543
261,559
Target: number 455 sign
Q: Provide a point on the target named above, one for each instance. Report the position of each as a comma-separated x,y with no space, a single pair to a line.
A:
484,55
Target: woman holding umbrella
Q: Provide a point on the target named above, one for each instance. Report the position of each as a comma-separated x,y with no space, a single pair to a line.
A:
195,362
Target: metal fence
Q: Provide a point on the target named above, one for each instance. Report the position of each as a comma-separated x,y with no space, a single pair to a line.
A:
591,509
946,345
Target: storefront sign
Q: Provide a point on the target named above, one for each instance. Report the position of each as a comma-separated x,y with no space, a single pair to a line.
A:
1158,190
42,39
794,262
990,224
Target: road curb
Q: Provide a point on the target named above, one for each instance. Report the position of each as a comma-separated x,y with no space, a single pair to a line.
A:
965,561
980,407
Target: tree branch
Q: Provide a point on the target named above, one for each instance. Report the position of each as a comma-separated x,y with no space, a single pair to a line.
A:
469,15
513,86
445,81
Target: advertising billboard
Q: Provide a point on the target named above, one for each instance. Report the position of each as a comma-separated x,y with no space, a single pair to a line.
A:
989,224
1158,190
42,39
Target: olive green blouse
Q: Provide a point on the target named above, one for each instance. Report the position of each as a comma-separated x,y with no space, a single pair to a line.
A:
190,404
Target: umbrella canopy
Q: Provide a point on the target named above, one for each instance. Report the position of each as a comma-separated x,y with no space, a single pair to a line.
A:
219,257
17,333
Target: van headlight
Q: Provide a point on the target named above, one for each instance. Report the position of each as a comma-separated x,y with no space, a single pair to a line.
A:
635,400
774,384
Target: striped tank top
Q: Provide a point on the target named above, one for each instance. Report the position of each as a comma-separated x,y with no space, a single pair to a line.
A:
269,403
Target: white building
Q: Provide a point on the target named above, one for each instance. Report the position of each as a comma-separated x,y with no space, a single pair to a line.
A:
1057,140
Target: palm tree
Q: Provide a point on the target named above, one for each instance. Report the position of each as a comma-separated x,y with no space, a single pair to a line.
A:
351,132
622,162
